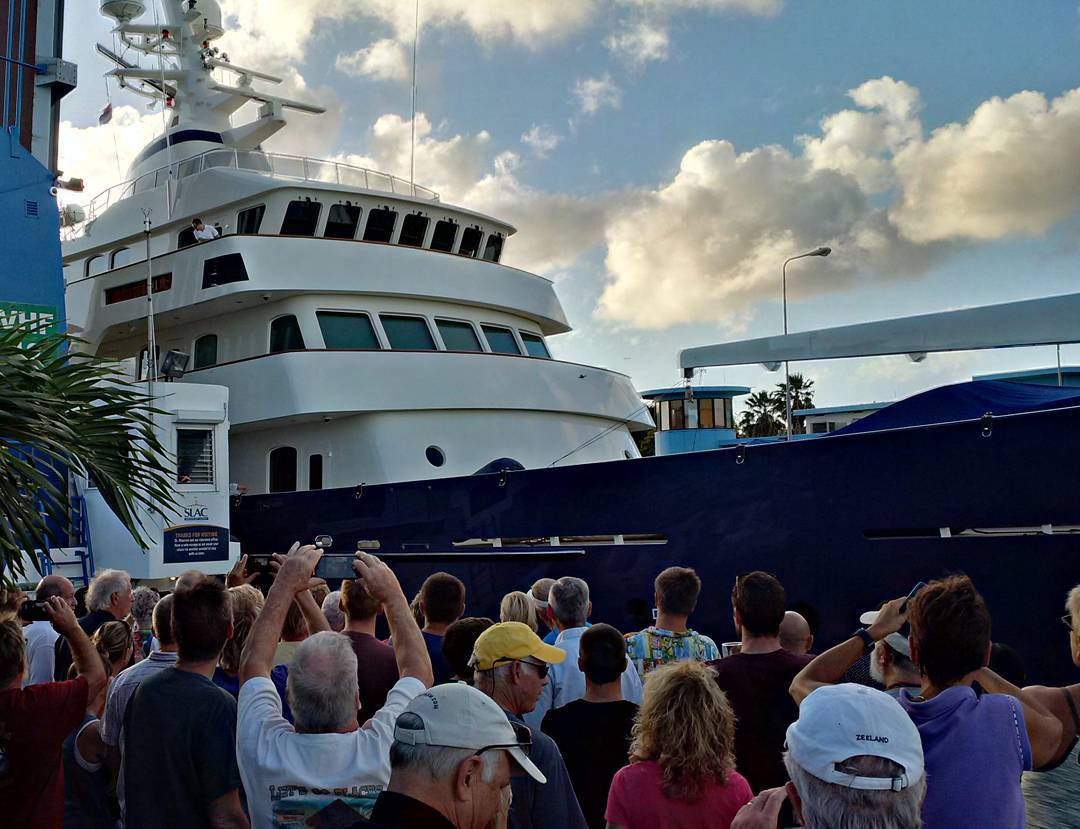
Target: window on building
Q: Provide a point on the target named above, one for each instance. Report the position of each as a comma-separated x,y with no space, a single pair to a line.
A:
341,221
221,270
285,335
444,235
283,469
250,220
408,333
186,238
470,242
205,351
501,340
137,288
413,229
819,428
195,456
535,345
458,336
705,419
678,414
493,247
121,257
380,225
314,472
97,264
727,421
347,330
301,218
665,415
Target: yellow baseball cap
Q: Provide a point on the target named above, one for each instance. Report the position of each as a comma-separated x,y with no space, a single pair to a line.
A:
508,641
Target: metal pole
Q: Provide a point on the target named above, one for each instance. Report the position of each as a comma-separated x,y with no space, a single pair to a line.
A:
412,137
1059,363
787,373
151,341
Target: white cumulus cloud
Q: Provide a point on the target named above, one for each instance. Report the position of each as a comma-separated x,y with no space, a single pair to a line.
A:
385,60
541,139
636,44
594,94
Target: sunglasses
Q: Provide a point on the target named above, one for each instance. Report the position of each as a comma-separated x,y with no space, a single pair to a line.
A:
522,740
541,668
1067,621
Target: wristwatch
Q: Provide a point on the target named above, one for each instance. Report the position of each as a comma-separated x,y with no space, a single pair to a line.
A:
868,640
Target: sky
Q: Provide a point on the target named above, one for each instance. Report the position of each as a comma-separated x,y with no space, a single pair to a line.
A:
662,158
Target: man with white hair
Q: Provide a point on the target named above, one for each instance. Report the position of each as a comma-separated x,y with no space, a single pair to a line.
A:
108,599
451,762
41,637
855,759
571,608
325,765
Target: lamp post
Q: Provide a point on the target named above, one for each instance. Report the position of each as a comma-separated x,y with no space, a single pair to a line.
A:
821,251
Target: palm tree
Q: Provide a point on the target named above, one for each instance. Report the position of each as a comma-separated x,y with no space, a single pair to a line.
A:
65,413
758,418
802,397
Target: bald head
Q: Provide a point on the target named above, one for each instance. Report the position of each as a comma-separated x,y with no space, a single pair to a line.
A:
56,586
795,635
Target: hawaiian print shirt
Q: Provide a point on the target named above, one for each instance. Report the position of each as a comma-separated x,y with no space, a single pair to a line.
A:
653,647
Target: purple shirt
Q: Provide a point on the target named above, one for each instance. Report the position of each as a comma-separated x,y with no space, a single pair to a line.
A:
975,749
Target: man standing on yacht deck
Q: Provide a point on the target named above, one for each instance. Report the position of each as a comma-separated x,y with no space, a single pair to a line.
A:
204,233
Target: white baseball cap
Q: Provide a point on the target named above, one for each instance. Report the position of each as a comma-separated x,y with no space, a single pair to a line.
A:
837,722
456,715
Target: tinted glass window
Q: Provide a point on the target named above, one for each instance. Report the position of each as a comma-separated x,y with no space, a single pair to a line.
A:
285,335
500,339
705,414
121,257
407,332
470,241
380,225
534,345
283,469
96,264
413,228
678,414
342,221
221,270
132,290
194,456
205,351
442,238
458,336
186,238
347,330
250,220
314,472
493,248
301,218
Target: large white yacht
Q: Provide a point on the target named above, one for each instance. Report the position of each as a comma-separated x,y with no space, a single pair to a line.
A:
365,330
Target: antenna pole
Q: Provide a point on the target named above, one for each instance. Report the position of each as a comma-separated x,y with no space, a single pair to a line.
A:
151,339
412,122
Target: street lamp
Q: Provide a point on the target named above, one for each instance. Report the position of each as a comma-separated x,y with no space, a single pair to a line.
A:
821,251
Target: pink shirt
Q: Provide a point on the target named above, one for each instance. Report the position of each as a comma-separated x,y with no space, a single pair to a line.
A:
637,801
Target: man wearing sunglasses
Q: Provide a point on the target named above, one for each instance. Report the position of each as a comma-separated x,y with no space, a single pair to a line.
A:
451,761
511,664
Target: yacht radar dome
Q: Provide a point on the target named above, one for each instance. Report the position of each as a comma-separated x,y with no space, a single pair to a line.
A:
207,13
122,11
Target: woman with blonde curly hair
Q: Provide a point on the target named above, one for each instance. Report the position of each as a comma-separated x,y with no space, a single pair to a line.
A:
517,607
684,744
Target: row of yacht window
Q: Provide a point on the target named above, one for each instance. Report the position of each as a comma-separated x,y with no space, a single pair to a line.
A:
358,330
343,221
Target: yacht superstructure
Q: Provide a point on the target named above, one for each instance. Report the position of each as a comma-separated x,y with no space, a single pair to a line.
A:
366,331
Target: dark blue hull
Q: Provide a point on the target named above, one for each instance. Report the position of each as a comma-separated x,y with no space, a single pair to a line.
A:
845,522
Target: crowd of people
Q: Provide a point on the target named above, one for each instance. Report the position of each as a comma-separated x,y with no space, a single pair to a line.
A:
271,701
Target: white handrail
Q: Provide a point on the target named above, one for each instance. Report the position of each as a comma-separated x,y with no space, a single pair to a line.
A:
252,161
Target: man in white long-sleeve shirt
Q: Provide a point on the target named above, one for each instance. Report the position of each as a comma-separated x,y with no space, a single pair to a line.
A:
570,606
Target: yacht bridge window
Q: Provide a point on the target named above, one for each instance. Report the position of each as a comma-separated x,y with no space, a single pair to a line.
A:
444,235
380,225
121,257
535,345
205,351
283,469
301,218
97,264
342,220
501,340
470,242
493,248
221,270
250,220
458,335
285,335
413,229
407,333
347,330
315,470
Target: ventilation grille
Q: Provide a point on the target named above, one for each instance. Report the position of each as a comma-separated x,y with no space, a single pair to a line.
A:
30,208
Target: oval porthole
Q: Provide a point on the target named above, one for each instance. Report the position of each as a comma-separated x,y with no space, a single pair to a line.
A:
435,456
628,454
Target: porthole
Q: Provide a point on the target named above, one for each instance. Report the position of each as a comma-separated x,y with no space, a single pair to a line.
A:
435,456
627,454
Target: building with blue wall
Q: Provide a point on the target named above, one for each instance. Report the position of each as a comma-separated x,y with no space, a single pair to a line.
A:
690,420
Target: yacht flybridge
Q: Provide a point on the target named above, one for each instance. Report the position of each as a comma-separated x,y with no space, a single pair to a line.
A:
366,331
362,364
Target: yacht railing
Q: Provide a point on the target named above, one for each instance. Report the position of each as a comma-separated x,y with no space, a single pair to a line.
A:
276,165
